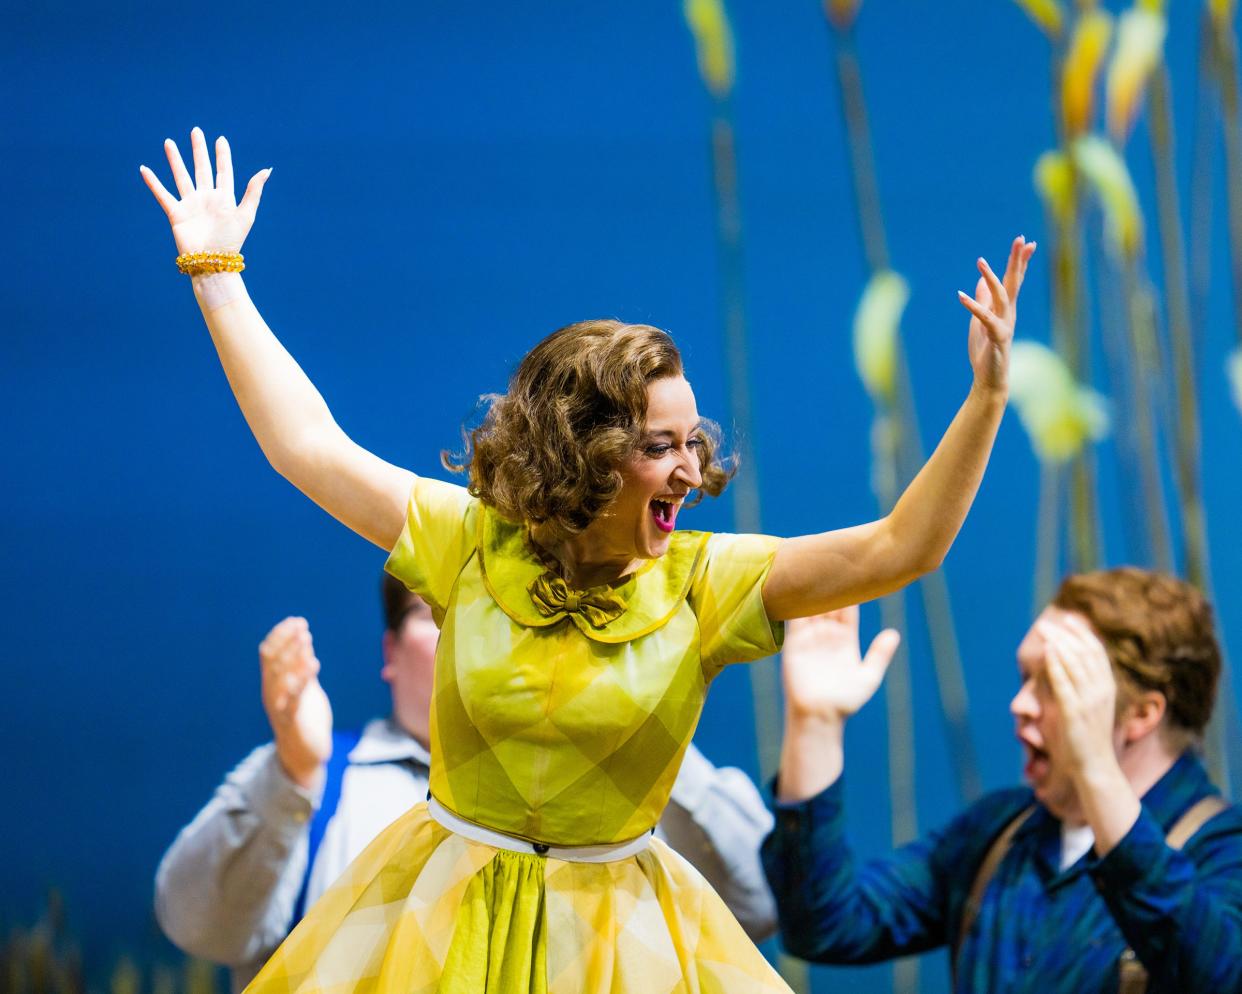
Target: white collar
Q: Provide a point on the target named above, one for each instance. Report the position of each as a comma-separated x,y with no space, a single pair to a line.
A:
1076,842
384,741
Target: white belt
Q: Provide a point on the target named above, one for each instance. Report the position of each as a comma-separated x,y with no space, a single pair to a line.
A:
498,840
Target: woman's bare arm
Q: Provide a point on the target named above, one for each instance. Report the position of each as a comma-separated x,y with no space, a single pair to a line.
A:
814,574
287,415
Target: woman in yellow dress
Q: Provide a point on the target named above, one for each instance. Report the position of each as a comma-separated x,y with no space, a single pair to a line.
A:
579,632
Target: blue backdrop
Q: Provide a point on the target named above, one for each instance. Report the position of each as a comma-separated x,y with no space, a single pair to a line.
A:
452,182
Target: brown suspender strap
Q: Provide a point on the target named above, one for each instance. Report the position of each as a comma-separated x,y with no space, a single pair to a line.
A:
1131,974
983,876
1198,815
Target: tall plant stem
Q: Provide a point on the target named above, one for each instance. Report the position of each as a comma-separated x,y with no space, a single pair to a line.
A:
1226,67
1046,532
1201,176
938,614
764,679
899,709
1071,335
889,434
862,161
1143,371
1218,71
1070,340
1131,507
1181,332
886,444
946,658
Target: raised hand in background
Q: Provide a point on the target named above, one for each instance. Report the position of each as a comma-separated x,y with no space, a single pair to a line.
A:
826,680
296,705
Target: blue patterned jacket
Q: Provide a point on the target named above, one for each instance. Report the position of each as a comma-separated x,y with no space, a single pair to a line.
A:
1039,929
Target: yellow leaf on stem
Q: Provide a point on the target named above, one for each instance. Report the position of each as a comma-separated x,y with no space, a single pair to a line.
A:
1049,15
713,39
1060,415
1233,369
1106,171
1140,46
877,322
1054,180
1222,13
1082,63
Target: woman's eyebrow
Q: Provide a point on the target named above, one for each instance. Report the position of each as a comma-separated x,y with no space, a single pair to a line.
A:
670,433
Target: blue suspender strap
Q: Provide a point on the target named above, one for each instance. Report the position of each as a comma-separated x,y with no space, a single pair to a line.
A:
342,745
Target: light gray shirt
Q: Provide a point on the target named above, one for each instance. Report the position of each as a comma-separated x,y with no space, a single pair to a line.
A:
226,889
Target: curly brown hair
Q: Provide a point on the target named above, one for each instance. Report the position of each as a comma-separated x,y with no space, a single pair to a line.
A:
551,448
1159,635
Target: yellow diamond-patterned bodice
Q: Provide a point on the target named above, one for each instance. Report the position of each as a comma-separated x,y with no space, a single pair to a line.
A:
562,727
561,719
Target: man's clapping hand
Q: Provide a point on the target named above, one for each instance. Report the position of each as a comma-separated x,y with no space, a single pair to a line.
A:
296,704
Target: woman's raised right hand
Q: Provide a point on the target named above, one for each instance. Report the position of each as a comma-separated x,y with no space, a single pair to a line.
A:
207,218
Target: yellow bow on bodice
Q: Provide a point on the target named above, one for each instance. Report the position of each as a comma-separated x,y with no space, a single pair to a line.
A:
552,596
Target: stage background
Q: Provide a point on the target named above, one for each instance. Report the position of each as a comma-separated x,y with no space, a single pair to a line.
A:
452,182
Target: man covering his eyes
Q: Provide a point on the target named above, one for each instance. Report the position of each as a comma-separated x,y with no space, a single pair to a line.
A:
1117,868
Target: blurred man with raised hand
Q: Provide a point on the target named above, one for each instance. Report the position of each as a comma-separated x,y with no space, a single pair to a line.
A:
296,811
1118,869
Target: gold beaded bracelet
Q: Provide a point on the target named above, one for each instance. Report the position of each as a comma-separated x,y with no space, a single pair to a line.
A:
202,263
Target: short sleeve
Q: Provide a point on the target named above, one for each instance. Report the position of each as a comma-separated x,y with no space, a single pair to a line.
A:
437,540
727,597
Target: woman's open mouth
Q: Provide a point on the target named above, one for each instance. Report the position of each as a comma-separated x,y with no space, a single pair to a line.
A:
665,514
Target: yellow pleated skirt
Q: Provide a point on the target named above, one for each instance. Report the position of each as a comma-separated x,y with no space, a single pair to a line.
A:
423,909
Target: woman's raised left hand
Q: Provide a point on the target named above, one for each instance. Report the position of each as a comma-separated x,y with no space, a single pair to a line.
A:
994,310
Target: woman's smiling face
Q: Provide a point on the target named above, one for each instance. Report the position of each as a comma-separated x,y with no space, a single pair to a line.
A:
659,474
